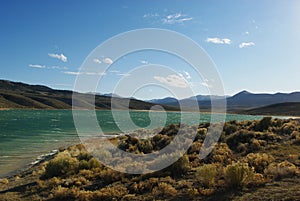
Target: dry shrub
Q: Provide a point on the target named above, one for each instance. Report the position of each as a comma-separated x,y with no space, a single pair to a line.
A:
184,184
4,181
145,146
74,193
88,174
295,136
62,165
50,183
238,174
263,124
94,163
288,128
62,193
109,176
79,181
206,192
206,174
145,186
281,170
110,193
164,190
259,161
201,133
221,154
230,127
257,180
84,155
180,167
193,191
195,148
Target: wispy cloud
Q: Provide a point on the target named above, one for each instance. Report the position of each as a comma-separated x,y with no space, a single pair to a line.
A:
36,66
61,57
150,15
173,80
226,41
47,67
83,73
171,18
205,84
187,75
97,61
176,18
124,74
246,44
114,71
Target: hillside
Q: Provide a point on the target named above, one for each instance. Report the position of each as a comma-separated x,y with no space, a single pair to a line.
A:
285,109
254,160
22,96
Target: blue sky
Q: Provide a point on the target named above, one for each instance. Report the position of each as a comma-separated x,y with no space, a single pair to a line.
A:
254,44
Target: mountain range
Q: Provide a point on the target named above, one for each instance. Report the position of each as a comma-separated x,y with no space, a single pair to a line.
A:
21,95
241,101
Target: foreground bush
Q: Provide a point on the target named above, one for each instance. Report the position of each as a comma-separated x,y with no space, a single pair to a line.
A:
238,174
62,165
206,174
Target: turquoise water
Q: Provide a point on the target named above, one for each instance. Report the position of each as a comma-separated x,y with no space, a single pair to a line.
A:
27,134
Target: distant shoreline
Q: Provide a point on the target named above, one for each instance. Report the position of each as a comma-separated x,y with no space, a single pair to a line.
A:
203,112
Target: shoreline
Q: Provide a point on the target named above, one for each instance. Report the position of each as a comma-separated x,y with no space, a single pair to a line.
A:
132,110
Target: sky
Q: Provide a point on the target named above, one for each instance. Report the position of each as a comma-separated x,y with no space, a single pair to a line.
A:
254,44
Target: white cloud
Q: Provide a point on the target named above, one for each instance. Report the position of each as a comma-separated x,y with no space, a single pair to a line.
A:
246,44
107,60
97,61
71,73
176,18
58,56
36,66
173,80
83,73
187,75
219,41
206,84
47,67
144,62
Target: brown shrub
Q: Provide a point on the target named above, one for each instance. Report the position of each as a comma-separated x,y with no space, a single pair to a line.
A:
164,190
281,170
259,161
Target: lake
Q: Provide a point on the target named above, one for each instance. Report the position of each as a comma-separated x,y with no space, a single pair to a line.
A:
26,135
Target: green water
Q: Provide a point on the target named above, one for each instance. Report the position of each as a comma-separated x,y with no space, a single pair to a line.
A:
27,134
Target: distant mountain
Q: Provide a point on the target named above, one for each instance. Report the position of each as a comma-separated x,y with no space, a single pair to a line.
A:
249,100
20,95
167,101
240,101
285,109
112,95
